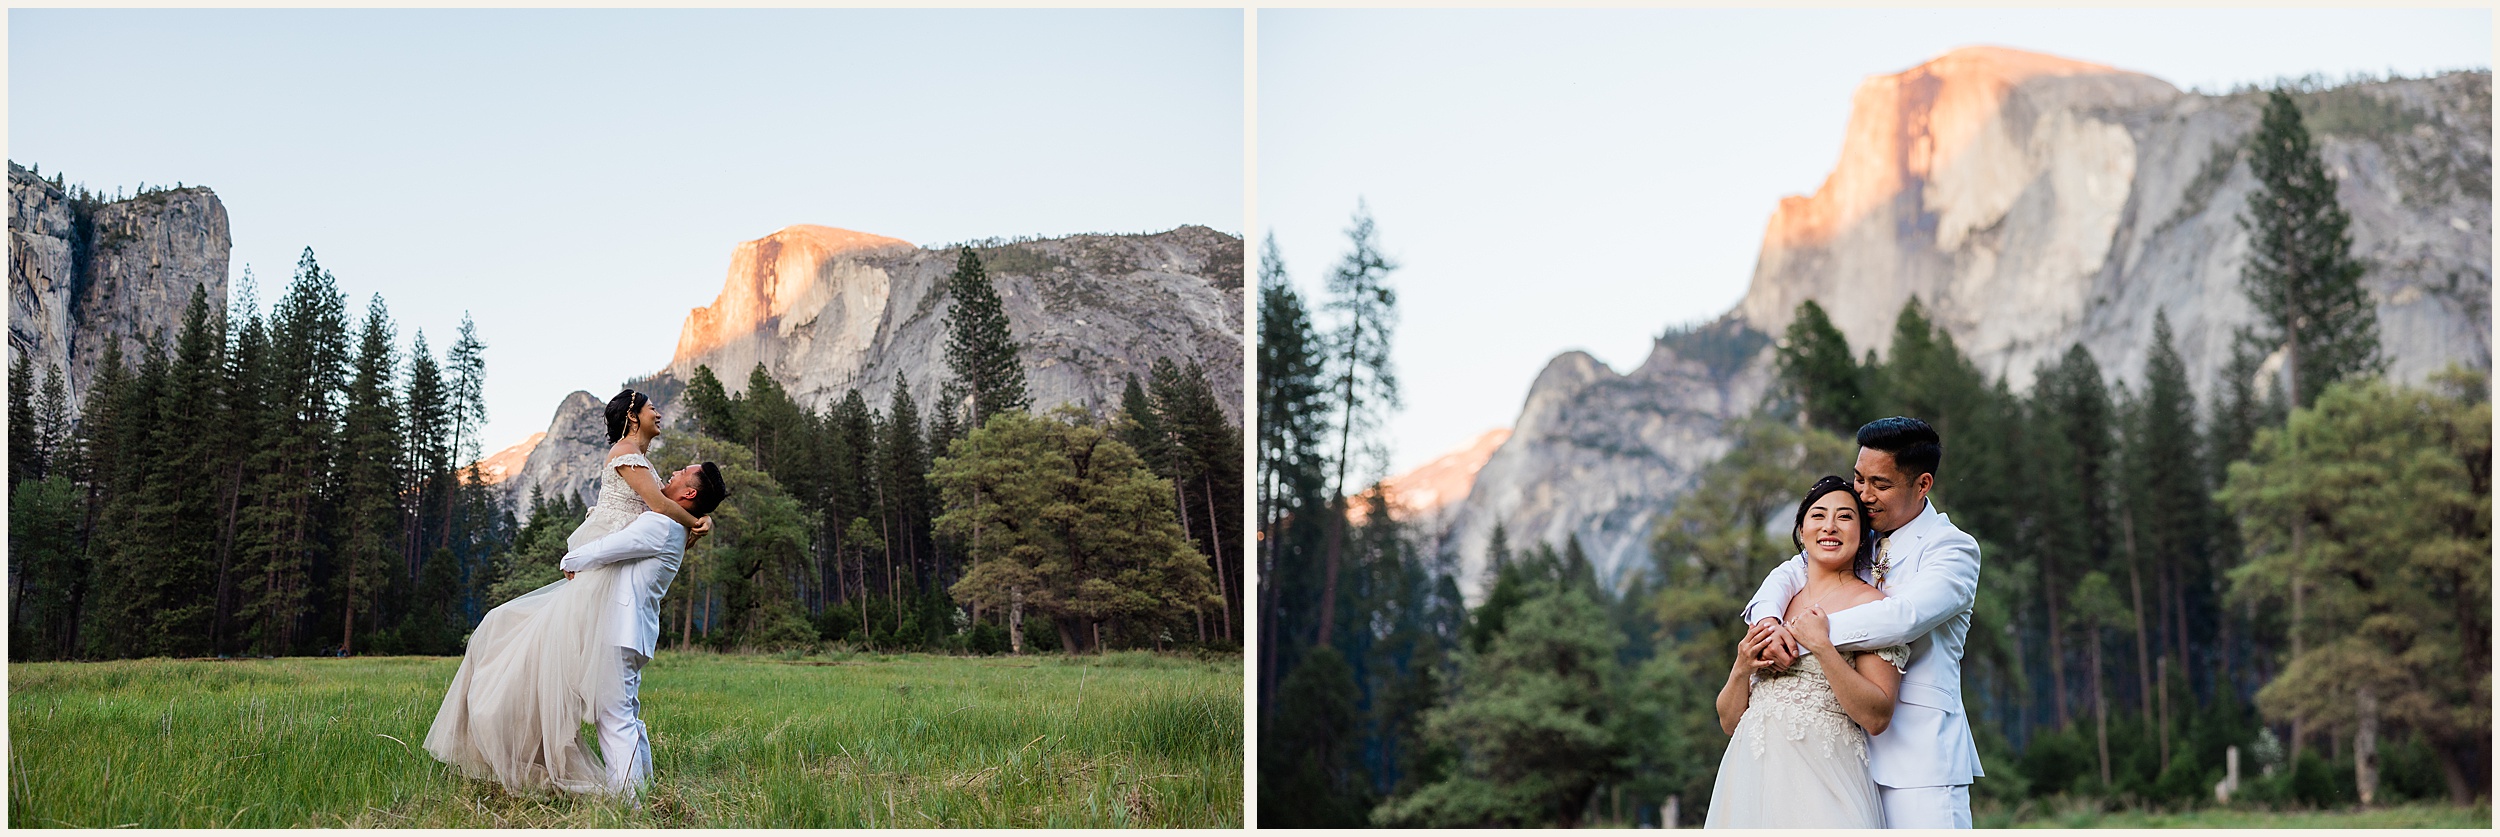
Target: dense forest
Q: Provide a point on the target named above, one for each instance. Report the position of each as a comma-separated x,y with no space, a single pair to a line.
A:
2297,570
286,485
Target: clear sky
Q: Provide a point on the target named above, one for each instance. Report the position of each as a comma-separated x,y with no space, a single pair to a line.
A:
1583,179
577,179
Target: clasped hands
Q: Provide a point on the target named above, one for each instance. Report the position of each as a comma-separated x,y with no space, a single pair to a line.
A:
1774,646
702,527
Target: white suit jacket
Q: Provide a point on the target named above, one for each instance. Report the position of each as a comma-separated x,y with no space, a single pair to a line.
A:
1933,579
648,552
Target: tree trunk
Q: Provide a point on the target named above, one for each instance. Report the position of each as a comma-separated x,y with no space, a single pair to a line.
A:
2452,768
1015,620
2162,681
1328,586
1068,643
2143,653
1223,583
2365,742
2057,653
2100,707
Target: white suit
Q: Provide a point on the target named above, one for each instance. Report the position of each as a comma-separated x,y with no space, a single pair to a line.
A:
647,553
1925,761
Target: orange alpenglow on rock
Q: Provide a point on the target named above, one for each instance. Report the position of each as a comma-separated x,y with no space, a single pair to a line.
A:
1440,483
507,462
1903,126
769,277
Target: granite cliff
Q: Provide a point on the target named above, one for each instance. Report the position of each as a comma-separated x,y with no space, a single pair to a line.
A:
827,310
86,273
2030,203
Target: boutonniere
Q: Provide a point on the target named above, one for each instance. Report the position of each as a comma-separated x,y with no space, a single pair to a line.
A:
1883,560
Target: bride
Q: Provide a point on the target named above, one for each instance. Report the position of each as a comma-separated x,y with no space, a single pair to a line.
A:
538,664
1797,753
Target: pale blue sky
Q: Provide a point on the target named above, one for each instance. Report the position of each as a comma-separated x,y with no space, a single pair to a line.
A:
1582,179
576,179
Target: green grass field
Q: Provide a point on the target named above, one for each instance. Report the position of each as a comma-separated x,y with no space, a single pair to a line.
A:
833,741
2410,815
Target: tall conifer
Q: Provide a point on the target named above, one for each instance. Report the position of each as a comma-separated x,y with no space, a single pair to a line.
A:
979,349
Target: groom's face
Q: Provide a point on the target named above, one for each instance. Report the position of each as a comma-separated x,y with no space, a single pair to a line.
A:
1892,498
681,485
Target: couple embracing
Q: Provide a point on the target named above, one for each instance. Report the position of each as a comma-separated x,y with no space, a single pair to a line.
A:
571,653
1844,705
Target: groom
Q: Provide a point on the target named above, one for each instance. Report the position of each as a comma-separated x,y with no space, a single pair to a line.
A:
650,549
1923,764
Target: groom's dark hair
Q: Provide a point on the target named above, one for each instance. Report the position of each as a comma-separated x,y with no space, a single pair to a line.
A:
1914,445
709,490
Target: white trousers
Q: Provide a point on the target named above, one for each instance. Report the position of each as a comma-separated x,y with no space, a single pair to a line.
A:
623,742
1940,806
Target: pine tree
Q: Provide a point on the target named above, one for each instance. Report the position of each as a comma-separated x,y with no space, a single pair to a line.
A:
1366,386
25,439
52,420
1815,365
138,526
183,575
243,441
1293,472
902,483
308,367
2171,505
715,413
428,461
979,349
369,480
2301,274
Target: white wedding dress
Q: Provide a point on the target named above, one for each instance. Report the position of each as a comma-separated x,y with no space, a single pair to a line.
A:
535,668
1796,760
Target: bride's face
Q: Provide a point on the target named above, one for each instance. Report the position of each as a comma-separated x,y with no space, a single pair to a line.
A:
1832,530
650,418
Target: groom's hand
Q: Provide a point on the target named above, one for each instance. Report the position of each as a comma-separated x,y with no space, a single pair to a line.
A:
1781,651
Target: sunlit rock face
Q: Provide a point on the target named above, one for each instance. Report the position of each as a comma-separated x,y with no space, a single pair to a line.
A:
2030,203
827,310
81,280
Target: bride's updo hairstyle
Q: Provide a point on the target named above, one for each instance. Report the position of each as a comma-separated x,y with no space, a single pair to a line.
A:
623,407
1866,526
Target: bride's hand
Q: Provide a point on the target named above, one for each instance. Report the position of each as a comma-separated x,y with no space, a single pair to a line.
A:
1749,656
1813,629
702,526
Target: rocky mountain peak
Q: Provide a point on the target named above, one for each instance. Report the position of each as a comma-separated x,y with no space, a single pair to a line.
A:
795,269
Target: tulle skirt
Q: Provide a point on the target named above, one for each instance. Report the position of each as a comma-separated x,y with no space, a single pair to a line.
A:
536,669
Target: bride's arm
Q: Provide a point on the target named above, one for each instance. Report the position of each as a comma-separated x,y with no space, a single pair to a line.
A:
648,487
1865,688
1738,692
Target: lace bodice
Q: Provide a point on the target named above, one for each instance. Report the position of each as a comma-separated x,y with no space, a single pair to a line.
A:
1800,700
614,494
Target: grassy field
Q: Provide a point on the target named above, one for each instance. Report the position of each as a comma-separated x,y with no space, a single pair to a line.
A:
737,741
2411,815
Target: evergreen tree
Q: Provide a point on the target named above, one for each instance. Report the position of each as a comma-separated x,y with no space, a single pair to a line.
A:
1293,471
1308,772
715,413
902,485
428,461
2301,274
1815,366
182,574
25,438
1365,386
2395,486
369,479
52,420
2074,515
243,441
2168,502
979,349
1070,525
307,370
1532,722
138,526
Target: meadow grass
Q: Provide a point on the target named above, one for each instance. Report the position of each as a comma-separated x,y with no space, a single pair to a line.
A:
2080,814
835,740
